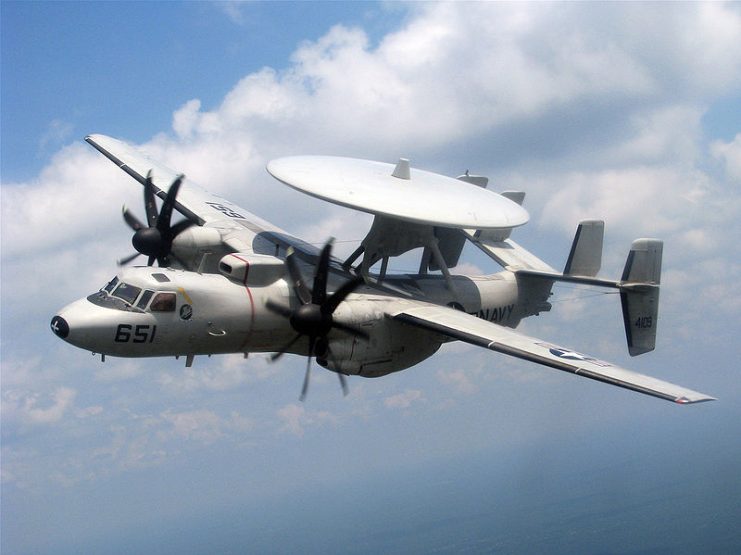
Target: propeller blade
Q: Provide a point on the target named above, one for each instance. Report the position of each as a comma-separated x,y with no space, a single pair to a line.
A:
149,203
163,220
179,227
151,260
341,376
284,350
278,309
341,294
305,387
132,220
128,259
302,291
319,291
343,385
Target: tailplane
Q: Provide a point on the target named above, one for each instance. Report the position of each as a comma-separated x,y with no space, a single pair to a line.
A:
639,285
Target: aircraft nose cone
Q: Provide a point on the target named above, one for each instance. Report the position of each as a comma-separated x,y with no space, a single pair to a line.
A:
60,326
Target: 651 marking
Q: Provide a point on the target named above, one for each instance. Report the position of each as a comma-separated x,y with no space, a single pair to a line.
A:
141,333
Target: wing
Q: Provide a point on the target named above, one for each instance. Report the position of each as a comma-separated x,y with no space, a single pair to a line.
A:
468,328
238,227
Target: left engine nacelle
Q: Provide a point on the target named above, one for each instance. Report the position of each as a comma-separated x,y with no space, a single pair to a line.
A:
197,238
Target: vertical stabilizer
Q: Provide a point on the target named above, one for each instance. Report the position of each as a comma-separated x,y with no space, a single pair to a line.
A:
639,294
585,258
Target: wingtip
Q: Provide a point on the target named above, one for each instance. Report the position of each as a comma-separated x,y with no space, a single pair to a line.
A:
688,401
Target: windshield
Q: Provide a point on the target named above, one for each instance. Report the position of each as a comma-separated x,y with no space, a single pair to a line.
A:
111,284
127,292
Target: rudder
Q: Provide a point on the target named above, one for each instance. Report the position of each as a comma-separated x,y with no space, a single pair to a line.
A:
639,294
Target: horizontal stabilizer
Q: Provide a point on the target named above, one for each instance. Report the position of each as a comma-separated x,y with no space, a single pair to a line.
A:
639,286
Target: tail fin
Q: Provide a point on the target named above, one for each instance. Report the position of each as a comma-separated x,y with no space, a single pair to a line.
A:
639,294
639,285
585,258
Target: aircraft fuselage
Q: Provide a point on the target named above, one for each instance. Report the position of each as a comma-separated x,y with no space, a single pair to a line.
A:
148,312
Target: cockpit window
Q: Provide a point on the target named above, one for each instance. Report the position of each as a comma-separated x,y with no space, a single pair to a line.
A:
111,285
144,299
126,292
163,302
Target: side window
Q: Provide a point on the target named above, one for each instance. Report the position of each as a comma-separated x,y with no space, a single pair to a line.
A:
144,299
163,302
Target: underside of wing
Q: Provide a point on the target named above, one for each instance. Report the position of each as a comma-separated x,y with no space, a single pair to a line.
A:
465,327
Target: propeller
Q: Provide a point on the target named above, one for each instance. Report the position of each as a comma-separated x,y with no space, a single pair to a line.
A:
154,239
313,318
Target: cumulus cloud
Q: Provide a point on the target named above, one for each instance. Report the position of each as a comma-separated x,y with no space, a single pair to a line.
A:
204,425
200,425
730,155
404,400
486,73
295,419
459,380
219,374
58,132
35,411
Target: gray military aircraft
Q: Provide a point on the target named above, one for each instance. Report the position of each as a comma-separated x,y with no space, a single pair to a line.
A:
230,282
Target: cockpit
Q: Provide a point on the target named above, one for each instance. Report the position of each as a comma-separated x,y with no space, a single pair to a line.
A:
122,295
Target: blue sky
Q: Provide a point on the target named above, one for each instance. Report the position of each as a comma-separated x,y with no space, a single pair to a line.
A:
627,112
140,58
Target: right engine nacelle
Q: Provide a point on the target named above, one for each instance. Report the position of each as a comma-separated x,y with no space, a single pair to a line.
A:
392,346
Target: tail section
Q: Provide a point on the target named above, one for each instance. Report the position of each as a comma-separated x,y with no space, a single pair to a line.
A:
585,258
639,294
639,285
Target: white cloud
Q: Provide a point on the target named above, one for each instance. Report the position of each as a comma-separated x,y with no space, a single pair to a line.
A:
449,75
57,133
292,417
730,155
62,399
295,419
118,370
234,10
90,411
404,400
649,200
459,380
199,425
221,373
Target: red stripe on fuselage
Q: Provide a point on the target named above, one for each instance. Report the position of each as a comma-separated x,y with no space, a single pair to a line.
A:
249,295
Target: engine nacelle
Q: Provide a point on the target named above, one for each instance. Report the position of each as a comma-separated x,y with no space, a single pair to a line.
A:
253,270
392,346
197,238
